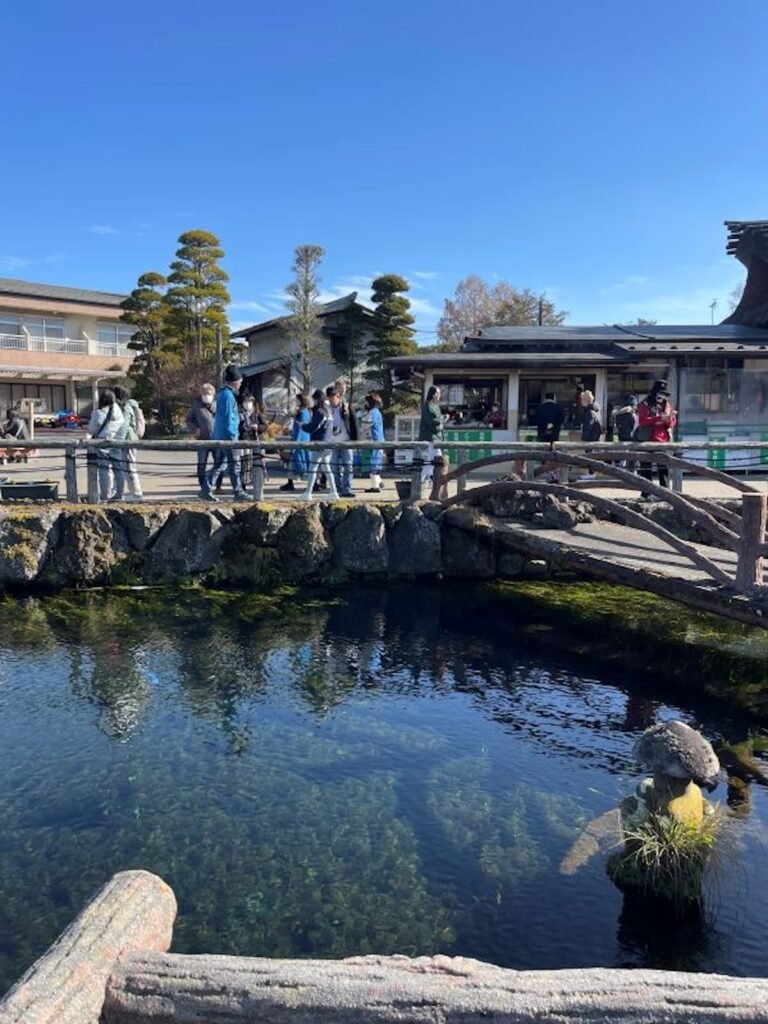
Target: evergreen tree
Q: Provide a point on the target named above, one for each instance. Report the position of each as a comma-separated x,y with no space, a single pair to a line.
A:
197,298
306,346
175,339
392,332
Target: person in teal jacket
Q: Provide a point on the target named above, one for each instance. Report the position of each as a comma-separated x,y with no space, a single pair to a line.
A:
375,423
226,427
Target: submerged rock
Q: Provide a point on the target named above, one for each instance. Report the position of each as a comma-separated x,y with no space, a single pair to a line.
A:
675,749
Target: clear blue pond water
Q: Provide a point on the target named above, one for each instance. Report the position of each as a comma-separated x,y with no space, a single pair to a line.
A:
369,770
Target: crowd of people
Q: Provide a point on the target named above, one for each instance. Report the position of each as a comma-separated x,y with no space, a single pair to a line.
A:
227,415
652,419
327,416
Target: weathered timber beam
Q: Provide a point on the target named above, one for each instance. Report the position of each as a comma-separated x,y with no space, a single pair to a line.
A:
134,911
176,989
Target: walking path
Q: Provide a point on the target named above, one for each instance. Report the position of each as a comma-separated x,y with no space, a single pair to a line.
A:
171,476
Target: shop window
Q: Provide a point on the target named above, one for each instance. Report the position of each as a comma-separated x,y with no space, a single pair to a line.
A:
566,391
469,402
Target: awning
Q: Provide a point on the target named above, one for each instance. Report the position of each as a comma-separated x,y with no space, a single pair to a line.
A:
254,369
60,373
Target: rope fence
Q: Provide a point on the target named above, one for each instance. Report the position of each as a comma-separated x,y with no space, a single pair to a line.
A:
50,453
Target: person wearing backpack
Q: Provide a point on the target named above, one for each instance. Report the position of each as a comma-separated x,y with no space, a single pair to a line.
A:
133,429
105,423
320,428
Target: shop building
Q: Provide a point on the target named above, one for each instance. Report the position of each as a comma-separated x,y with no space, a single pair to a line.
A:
717,374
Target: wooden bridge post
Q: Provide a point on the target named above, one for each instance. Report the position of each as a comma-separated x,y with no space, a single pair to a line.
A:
439,473
419,458
92,471
70,472
749,568
257,485
461,482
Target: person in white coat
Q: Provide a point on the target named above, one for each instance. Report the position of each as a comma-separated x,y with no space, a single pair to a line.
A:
107,423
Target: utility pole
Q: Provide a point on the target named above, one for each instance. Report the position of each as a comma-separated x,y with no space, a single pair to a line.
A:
541,311
712,306
219,356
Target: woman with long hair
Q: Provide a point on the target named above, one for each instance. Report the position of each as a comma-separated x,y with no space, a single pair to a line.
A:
374,421
106,423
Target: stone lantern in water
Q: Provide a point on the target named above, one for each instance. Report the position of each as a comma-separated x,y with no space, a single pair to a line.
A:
668,828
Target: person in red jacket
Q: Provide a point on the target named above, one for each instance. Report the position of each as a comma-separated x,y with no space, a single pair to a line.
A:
656,421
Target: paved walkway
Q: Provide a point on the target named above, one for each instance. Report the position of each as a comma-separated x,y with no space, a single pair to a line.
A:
171,476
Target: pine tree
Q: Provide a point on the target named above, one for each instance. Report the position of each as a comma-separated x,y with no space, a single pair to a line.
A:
305,345
392,331
175,336
198,296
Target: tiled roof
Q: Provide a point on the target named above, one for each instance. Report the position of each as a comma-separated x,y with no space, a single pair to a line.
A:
335,306
31,290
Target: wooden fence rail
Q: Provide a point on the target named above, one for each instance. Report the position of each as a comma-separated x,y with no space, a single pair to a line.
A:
111,967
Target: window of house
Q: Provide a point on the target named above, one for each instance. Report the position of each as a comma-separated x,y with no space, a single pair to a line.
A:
10,325
45,327
113,339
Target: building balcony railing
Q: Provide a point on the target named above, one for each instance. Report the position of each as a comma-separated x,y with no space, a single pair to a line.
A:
67,346
72,346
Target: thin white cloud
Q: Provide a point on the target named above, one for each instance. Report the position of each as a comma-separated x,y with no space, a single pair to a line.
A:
424,275
103,229
424,308
257,307
684,307
13,263
625,284
239,325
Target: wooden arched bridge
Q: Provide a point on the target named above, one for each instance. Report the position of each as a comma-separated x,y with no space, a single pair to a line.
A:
626,543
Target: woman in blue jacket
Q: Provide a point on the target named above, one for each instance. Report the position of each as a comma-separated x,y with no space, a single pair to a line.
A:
375,421
299,457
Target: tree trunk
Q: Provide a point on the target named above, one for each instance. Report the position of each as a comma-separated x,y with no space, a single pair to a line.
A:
173,989
133,911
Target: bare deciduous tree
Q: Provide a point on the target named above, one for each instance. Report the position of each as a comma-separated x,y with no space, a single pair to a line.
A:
305,346
476,305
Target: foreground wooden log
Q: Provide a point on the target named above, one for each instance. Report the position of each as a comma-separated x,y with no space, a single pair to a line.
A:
156,988
135,910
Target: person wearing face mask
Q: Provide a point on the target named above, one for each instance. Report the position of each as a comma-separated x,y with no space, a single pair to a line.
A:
200,423
251,427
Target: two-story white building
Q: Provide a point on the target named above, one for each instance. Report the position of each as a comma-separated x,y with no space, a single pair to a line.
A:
58,344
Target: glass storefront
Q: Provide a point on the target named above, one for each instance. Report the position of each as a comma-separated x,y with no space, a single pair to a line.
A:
468,401
566,391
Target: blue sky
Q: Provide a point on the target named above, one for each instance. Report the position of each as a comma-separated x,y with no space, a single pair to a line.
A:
589,148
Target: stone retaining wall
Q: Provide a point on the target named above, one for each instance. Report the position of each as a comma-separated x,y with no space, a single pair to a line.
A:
262,543
43,546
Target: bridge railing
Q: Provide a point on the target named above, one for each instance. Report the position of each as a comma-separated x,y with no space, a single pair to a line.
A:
526,454
744,534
